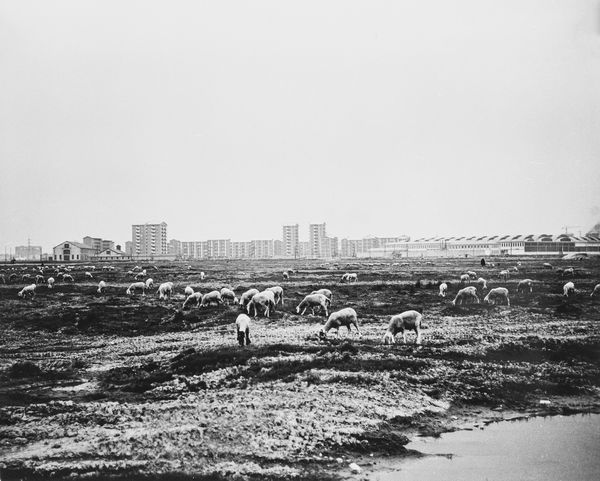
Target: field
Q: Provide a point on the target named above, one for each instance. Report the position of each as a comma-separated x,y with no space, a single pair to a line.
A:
133,387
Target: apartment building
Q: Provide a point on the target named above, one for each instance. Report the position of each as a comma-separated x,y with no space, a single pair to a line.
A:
149,239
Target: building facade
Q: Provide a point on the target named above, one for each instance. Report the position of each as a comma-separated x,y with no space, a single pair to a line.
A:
69,251
149,239
290,240
98,243
28,253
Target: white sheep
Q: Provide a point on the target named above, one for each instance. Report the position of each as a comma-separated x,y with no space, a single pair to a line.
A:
472,274
482,283
202,276
349,277
39,279
443,289
149,283
136,268
286,275
596,290
50,282
136,285
140,275
465,295
326,292
569,271
246,297
242,329
497,294
547,265
228,295
68,278
27,291
568,289
344,317
278,292
265,299
88,275
504,274
406,321
195,297
524,286
165,290
312,301
188,291
101,287
465,279
210,298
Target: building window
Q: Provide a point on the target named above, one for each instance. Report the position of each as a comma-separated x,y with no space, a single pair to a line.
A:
66,246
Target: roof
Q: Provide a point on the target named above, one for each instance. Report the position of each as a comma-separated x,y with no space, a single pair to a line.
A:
76,244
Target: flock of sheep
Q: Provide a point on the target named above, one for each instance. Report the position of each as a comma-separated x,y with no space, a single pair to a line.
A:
254,302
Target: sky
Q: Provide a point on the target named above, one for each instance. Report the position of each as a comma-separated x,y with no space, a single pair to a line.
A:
227,119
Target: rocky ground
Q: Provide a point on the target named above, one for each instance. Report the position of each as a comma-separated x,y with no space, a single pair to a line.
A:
133,387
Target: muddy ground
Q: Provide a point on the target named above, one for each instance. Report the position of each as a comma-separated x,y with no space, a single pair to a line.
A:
133,387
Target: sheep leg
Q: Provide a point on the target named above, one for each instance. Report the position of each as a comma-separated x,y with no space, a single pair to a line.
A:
247,335
418,331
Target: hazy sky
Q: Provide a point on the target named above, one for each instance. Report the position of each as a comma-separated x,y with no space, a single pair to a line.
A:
227,119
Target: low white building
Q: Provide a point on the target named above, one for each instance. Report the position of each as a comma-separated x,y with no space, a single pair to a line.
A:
111,255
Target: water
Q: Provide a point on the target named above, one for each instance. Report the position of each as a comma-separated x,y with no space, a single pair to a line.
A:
558,448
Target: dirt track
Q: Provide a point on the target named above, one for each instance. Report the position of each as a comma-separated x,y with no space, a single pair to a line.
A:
116,385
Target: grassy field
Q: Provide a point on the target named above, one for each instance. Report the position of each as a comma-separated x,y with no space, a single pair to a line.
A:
111,385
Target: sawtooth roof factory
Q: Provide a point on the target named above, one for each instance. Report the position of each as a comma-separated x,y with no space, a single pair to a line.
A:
541,244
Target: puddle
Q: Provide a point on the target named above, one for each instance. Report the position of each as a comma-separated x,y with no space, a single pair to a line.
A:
557,448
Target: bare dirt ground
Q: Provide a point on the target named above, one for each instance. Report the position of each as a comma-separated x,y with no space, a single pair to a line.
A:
95,386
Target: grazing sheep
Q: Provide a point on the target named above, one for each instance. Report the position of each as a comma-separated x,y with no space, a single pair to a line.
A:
265,299
68,278
228,295
482,283
188,291
465,279
472,274
406,321
465,295
524,286
596,290
27,291
326,292
246,297
101,287
242,329
202,276
515,269
26,277
443,289
504,274
195,297
344,317
136,268
568,289
50,282
88,275
312,301
136,285
286,275
547,265
497,294
12,277
149,283
278,292
570,271
165,290
349,277
39,279
210,298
